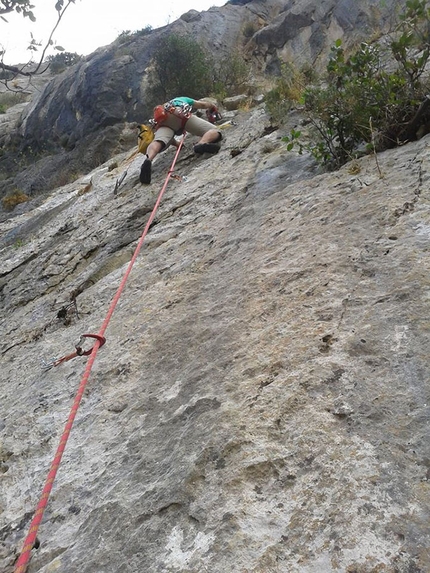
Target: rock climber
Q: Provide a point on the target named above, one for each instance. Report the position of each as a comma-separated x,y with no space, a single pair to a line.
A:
175,117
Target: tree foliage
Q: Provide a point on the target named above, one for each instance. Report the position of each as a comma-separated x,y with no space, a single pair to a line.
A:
361,100
180,67
59,62
286,92
25,7
230,74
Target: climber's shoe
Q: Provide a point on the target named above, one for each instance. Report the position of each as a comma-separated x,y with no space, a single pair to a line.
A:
145,171
201,148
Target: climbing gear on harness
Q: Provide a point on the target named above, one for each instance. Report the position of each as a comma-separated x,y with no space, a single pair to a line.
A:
213,115
200,148
145,137
161,113
145,171
182,111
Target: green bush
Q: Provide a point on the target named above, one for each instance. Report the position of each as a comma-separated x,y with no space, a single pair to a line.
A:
287,91
9,99
361,101
13,199
249,30
59,62
5,74
126,35
181,67
230,75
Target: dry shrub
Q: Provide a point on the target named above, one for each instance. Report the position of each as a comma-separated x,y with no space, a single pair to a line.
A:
15,198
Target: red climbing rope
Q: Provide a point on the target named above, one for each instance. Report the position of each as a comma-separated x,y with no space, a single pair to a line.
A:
30,540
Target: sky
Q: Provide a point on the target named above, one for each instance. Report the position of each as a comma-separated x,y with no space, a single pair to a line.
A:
89,24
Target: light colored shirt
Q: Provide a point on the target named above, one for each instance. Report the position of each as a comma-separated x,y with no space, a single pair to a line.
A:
178,101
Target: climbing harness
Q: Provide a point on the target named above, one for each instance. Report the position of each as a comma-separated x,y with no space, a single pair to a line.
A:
183,111
162,112
31,540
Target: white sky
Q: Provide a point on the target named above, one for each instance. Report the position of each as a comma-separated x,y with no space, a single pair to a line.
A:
89,24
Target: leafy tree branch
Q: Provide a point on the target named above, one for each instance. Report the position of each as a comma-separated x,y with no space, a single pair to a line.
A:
24,7
20,6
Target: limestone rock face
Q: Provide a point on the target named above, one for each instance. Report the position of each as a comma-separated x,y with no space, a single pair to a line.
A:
261,403
82,115
191,16
303,32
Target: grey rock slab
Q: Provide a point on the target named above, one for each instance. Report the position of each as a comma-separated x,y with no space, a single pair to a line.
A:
261,403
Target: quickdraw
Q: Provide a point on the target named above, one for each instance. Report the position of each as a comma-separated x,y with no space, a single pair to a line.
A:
78,352
181,178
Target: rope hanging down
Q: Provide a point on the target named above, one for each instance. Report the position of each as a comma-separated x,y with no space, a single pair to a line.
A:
30,540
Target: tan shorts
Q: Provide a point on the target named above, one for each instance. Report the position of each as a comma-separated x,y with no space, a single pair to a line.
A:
195,125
